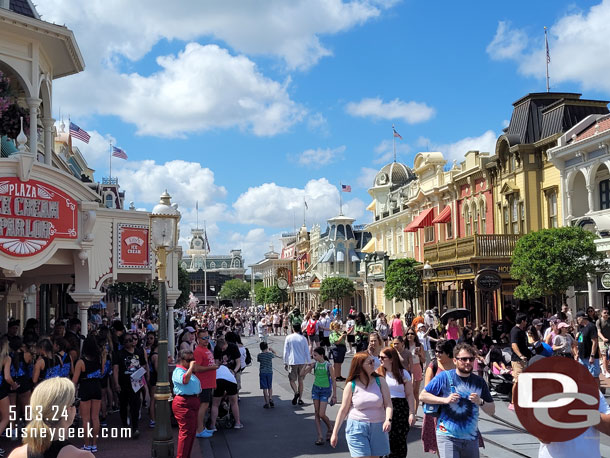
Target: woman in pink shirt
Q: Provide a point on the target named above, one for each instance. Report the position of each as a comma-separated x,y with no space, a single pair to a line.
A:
367,405
398,329
453,330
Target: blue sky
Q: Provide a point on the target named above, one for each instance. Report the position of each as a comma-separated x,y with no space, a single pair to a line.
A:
251,107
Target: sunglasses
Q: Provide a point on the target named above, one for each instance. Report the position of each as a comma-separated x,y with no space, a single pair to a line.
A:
438,352
410,334
382,357
466,359
205,338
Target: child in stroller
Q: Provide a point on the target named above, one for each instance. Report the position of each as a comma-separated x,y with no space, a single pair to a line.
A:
499,375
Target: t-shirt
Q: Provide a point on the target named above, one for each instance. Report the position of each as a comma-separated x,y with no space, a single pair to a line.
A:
585,344
223,373
397,329
397,390
204,357
587,444
565,341
459,419
519,337
229,356
603,327
129,363
265,360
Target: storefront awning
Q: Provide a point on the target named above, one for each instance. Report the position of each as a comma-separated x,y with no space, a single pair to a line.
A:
329,256
354,256
444,216
369,247
372,206
424,219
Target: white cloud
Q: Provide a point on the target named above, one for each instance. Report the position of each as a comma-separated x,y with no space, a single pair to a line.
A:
316,158
367,177
579,43
409,112
316,122
187,183
203,87
508,43
288,30
384,152
279,206
456,151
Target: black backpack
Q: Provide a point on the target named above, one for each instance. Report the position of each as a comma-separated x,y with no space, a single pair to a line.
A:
248,357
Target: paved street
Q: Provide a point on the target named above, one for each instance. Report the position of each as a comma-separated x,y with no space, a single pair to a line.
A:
288,431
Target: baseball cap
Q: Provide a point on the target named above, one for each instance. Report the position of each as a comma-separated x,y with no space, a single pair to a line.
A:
581,314
420,325
563,325
189,329
536,322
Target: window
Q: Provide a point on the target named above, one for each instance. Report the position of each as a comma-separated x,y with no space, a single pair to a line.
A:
604,194
476,221
468,217
552,208
522,206
448,230
399,247
515,215
340,231
506,220
482,210
212,265
109,201
429,234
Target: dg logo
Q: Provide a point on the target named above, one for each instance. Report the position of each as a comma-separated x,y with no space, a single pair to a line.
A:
557,399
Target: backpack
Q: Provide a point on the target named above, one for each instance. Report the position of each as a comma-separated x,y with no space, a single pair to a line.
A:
248,357
311,327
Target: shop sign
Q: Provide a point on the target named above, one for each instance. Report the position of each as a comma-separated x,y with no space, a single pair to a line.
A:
134,249
32,215
500,268
488,280
605,280
464,270
445,273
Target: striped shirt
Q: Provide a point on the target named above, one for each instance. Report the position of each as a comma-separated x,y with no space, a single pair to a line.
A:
266,361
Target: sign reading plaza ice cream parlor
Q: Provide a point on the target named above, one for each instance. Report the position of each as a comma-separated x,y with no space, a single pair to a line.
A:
32,215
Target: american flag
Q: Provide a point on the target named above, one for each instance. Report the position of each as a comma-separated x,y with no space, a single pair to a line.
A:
346,188
548,53
118,152
79,133
306,206
206,244
396,134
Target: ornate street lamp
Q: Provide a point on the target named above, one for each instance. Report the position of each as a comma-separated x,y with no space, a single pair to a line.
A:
164,238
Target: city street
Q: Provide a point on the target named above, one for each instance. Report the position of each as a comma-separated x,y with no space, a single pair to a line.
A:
288,431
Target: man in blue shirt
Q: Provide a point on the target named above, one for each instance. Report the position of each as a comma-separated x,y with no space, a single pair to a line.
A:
460,394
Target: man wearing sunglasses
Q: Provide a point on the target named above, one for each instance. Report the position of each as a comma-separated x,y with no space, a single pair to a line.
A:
205,370
460,394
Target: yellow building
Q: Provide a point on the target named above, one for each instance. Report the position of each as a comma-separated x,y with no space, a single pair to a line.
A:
526,185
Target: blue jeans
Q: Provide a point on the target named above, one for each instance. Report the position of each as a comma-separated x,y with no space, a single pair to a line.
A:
450,447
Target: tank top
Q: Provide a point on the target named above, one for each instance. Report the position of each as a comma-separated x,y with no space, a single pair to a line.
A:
414,355
397,390
52,451
93,371
322,375
367,403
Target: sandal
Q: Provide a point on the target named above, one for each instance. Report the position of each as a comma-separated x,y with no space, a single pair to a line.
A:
320,442
329,434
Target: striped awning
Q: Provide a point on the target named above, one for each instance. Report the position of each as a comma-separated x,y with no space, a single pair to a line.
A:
424,219
369,247
444,216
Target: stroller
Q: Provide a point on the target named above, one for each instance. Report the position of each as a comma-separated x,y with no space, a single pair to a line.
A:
225,419
501,384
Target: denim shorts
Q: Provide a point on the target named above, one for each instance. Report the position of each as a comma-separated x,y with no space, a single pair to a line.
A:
266,380
366,439
321,394
594,368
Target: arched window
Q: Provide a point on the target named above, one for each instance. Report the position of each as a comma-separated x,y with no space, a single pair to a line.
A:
224,265
468,220
482,211
109,200
475,218
212,265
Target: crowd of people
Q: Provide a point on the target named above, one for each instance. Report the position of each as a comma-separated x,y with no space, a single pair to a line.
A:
397,364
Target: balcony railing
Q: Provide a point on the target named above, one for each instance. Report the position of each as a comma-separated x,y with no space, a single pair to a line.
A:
475,246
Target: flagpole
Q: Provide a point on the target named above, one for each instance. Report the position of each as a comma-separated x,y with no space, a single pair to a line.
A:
394,142
197,210
205,265
547,58
110,177
340,199
304,210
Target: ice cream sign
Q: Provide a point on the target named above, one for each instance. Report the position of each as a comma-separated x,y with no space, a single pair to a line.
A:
134,251
32,215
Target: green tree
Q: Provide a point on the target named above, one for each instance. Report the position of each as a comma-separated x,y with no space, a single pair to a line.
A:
549,261
184,285
235,290
275,295
260,292
336,288
403,280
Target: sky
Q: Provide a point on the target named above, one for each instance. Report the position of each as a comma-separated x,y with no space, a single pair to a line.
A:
248,109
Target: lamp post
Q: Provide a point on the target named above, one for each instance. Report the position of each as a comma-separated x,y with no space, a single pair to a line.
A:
428,274
164,237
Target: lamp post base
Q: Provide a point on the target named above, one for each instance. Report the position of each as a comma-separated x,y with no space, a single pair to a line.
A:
163,449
